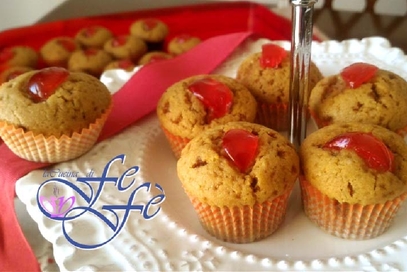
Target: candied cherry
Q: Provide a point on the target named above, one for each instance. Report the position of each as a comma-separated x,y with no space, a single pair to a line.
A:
272,55
91,52
373,151
183,38
69,45
215,96
149,24
241,148
358,73
119,41
157,57
43,84
125,64
90,31
6,54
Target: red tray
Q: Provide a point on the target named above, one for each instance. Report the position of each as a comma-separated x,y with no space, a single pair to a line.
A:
202,20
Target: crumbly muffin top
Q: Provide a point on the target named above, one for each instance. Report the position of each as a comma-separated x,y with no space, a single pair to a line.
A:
93,36
211,177
183,114
382,101
149,29
75,104
57,51
91,61
344,176
271,85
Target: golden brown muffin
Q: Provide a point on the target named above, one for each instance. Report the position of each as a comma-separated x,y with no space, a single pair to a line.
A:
91,61
93,36
271,87
13,72
57,51
183,115
76,102
151,30
232,202
126,47
123,64
153,56
18,56
182,43
355,178
382,100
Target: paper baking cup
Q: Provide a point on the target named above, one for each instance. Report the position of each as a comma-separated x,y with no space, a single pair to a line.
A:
177,143
242,224
348,221
51,149
274,116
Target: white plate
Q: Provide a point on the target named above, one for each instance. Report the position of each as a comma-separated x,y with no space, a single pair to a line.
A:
174,240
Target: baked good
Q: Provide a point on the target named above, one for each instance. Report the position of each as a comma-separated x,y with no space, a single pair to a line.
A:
126,47
18,56
57,51
91,61
123,64
153,56
93,36
239,177
12,72
52,115
152,30
182,43
267,75
379,97
197,103
354,178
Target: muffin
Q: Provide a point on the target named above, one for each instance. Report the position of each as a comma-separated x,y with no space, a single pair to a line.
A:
93,36
126,47
379,97
354,179
57,51
52,115
153,56
13,72
239,177
182,43
123,64
152,30
18,56
267,75
197,103
91,61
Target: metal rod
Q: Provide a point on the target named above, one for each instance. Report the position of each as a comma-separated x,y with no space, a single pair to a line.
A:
302,11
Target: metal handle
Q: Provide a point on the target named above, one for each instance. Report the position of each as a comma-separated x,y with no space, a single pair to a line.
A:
302,11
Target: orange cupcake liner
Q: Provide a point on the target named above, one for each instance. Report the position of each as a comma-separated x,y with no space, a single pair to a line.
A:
177,143
242,224
274,116
38,148
348,221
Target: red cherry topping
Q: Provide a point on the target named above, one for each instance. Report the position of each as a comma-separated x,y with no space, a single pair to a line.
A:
358,73
90,31
125,64
157,57
183,38
241,148
6,54
69,45
149,24
373,151
91,52
215,96
43,83
272,55
119,41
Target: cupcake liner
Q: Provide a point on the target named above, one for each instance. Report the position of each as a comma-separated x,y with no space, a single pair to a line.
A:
51,149
177,143
242,224
274,116
348,221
